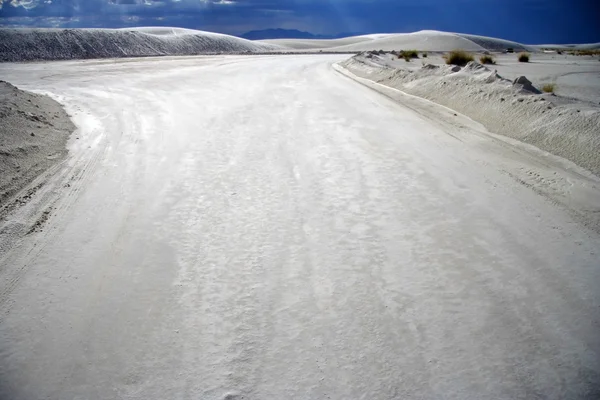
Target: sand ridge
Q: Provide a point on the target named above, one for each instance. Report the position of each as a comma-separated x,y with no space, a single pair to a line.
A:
427,40
565,127
34,130
66,44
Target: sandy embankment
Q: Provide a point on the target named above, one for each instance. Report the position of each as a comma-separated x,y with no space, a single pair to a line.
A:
34,130
560,126
426,40
70,44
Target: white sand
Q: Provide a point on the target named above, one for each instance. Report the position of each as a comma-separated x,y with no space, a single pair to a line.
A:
583,46
61,44
319,44
422,40
564,127
576,77
266,228
33,133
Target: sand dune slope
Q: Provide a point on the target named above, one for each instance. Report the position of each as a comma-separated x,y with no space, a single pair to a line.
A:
33,133
583,46
302,44
422,40
62,44
561,126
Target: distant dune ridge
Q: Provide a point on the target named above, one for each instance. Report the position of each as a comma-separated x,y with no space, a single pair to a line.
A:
585,46
65,44
33,44
422,40
292,34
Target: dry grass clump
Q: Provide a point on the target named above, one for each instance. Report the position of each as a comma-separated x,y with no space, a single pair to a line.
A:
523,57
487,59
408,54
549,87
587,52
458,57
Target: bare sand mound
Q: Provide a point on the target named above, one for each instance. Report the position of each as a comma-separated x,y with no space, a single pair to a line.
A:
561,126
422,40
63,44
319,44
34,130
167,31
584,46
495,44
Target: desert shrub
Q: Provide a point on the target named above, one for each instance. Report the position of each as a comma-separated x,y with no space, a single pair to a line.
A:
549,87
558,52
590,52
523,57
424,55
486,59
458,57
408,54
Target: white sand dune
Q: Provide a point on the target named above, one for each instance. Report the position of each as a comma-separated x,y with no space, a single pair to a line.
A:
311,44
33,132
561,126
422,40
584,46
495,44
168,31
62,44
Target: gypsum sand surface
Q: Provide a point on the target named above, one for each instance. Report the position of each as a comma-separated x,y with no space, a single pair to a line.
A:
34,130
564,127
36,44
575,77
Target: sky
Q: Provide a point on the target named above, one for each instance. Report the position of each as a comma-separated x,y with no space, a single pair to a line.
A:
525,21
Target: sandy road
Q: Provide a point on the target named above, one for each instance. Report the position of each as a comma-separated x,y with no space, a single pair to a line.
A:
266,228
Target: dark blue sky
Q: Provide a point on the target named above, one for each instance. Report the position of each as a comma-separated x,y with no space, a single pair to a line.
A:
526,21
